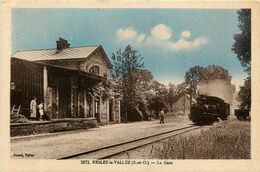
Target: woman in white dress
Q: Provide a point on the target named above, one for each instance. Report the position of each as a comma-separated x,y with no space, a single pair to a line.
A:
33,108
40,107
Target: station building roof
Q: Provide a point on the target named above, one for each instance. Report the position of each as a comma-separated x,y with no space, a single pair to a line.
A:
74,53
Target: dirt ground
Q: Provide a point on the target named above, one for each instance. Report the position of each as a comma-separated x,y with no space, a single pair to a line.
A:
66,144
145,152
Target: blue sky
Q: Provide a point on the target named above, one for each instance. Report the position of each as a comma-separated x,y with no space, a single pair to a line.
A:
170,40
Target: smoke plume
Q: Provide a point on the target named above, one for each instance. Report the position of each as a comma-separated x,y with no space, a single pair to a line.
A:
221,89
218,88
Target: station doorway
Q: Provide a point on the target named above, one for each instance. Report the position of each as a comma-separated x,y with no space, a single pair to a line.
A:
97,110
81,104
111,111
64,98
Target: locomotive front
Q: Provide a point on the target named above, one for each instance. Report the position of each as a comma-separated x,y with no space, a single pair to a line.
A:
208,109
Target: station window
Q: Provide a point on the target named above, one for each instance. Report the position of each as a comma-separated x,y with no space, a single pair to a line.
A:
94,70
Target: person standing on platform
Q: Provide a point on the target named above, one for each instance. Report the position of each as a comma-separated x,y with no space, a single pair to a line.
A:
162,117
40,107
33,108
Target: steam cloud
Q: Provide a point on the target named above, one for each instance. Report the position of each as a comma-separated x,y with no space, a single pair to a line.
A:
221,89
218,88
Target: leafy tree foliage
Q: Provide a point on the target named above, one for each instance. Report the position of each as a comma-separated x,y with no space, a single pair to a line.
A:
143,79
245,94
242,44
171,95
158,88
198,74
157,103
125,62
156,97
126,71
214,72
104,90
242,47
163,97
182,88
192,78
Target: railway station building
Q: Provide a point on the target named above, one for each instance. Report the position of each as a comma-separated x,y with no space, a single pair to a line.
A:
182,104
62,77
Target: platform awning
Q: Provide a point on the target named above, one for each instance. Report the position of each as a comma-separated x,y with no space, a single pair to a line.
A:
86,80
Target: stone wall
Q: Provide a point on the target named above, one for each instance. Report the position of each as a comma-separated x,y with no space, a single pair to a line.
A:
58,125
95,59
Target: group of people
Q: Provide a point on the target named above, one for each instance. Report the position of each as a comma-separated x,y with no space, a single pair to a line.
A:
34,107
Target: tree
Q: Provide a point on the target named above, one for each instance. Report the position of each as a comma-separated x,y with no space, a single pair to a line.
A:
156,97
167,94
242,44
171,95
156,103
104,90
143,80
182,88
192,78
245,94
126,63
158,88
242,47
215,72
212,80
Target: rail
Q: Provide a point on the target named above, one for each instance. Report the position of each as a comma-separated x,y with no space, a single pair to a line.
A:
114,149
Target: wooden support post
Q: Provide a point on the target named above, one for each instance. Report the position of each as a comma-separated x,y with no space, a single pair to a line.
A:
71,97
45,87
57,99
107,110
93,107
78,104
119,111
85,104
114,110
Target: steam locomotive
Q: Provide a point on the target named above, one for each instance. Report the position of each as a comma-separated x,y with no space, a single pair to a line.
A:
209,109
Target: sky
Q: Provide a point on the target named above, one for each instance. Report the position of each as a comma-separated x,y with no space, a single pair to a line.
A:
170,40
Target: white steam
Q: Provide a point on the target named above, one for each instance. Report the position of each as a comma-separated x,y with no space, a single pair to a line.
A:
221,89
218,88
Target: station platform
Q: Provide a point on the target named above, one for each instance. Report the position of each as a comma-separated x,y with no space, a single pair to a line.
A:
55,145
52,126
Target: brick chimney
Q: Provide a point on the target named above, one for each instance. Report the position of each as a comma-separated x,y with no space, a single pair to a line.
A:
62,44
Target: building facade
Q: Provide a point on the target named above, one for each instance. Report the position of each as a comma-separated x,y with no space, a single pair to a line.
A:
63,78
182,105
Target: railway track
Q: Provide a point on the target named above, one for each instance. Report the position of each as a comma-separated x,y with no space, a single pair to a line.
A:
111,150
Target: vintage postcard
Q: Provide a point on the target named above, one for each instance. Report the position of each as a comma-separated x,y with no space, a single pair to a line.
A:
143,86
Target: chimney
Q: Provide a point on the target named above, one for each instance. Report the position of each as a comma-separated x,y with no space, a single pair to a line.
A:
62,44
